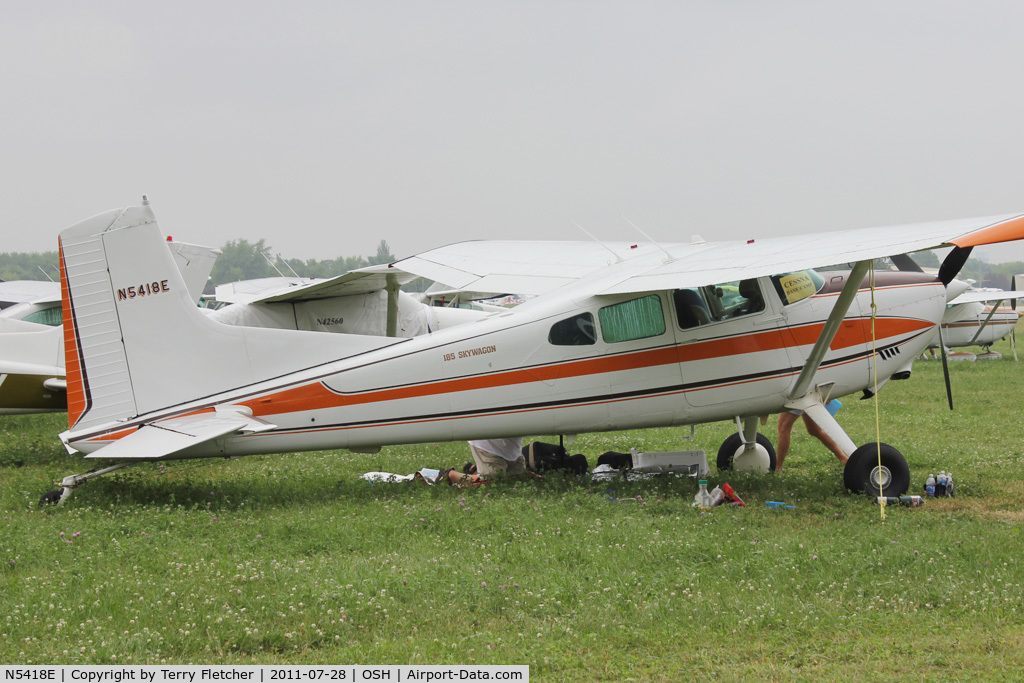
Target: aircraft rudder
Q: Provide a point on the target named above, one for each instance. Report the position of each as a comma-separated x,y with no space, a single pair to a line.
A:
77,399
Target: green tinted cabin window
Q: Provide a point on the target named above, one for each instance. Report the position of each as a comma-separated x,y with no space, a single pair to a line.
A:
47,316
634,319
575,331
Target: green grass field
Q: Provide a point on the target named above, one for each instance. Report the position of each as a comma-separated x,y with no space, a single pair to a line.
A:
293,559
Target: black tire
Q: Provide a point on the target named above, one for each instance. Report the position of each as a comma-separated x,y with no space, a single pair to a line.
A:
729,447
50,498
861,472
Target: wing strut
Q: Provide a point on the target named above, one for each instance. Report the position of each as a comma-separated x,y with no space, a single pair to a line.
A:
801,396
828,333
392,290
991,313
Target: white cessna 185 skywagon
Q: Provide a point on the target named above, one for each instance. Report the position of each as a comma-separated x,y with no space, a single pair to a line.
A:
615,336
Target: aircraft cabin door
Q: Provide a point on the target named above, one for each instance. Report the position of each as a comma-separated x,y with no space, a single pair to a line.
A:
807,298
730,343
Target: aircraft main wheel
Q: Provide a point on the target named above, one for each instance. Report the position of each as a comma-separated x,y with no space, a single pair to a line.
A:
732,445
863,474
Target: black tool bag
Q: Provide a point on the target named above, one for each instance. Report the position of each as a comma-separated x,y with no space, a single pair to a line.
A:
620,461
542,457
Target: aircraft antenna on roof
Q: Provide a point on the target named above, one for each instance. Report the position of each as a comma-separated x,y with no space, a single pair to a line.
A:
669,257
285,262
271,263
618,259
45,273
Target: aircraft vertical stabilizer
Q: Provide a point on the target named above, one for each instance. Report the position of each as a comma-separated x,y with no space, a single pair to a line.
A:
99,386
135,342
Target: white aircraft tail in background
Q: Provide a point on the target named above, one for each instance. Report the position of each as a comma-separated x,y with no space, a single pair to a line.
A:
32,374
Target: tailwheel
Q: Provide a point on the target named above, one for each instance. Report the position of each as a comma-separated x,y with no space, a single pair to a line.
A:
733,447
68,483
55,497
874,467
50,498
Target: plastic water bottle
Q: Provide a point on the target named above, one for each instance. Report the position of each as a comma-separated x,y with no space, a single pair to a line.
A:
949,484
929,486
940,484
703,498
717,496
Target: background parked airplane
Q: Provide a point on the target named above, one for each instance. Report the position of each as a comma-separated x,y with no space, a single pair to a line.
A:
32,337
978,317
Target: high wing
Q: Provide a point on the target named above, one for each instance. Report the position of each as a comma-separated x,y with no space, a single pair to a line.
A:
24,291
521,267
31,343
541,267
249,291
982,296
277,290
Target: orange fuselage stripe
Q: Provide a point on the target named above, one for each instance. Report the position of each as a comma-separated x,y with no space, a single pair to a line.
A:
316,396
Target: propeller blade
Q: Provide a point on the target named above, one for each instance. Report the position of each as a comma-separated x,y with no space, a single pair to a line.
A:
945,368
905,262
953,262
1013,332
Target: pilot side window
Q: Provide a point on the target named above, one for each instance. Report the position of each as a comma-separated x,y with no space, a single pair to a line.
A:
697,306
575,331
633,319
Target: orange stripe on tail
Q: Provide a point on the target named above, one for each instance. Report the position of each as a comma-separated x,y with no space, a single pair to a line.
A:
78,401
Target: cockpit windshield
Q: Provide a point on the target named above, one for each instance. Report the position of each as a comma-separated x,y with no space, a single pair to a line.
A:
798,285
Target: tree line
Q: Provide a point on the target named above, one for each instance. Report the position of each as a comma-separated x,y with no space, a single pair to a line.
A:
239,260
244,260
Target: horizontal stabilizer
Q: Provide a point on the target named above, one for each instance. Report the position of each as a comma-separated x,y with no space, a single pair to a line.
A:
168,437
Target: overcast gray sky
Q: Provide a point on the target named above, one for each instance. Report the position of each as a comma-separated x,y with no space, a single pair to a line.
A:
326,126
